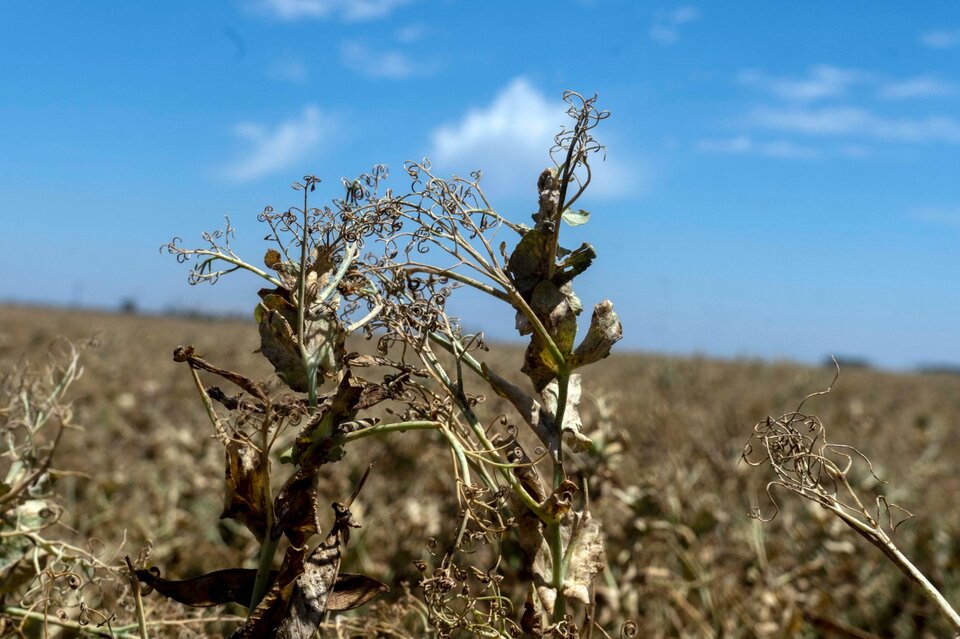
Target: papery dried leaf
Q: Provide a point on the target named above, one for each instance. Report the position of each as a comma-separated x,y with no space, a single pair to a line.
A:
586,558
278,344
532,620
572,424
325,343
584,543
529,263
316,442
296,507
246,487
605,330
276,300
234,585
352,591
296,603
559,502
574,263
557,308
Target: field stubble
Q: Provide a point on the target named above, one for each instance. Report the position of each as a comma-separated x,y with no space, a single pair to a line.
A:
689,561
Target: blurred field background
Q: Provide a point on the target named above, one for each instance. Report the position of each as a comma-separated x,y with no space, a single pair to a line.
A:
145,472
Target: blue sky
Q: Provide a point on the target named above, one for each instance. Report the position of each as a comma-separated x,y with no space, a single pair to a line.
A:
780,178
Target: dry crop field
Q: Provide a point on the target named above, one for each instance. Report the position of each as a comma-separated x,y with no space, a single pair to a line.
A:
141,476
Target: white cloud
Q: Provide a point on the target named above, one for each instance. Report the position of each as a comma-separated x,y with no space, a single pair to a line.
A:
348,10
411,33
745,145
822,81
941,39
851,121
289,70
510,138
925,86
393,65
275,148
666,24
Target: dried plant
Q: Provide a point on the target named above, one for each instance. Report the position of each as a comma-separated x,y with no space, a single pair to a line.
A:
383,266
796,449
45,580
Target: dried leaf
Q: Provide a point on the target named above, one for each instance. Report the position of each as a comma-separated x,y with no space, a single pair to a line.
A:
586,559
605,330
572,424
529,263
296,507
246,487
278,344
584,543
576,262
234,585
352,591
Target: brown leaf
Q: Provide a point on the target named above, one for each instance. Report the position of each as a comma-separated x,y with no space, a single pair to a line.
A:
572,424
246,487
605,330
296,507
584,545
280,347
352,591
234,585
529,408
272,258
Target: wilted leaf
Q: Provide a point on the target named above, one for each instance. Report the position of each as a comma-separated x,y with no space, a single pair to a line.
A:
586,559
296,507
605,330
529,263
352,591
294,606
234,585
246,487
574,263
576,218
316,442
31,515
584,547
557,308
572,424
277,343
325,343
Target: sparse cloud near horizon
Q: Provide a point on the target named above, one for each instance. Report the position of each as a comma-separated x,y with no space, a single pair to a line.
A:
666,24
924,86
346,10
510,138
274,148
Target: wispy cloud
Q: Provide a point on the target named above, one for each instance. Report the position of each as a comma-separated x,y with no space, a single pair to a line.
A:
746,145
275,148
348,10
289,70
666,24
822,81
925,86
851,121
392,65
411,33
510,138
941,38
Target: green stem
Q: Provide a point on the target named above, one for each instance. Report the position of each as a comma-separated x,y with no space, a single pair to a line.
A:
265,564
391,428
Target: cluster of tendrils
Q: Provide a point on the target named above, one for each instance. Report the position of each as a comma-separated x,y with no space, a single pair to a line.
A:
573,146
466,598
796,448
